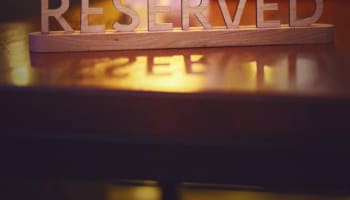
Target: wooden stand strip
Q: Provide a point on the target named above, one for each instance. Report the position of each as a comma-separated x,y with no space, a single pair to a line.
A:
217,37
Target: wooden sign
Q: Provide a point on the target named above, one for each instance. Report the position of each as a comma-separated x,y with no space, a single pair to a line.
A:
164,35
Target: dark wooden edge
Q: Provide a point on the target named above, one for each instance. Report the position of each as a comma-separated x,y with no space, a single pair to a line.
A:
40,139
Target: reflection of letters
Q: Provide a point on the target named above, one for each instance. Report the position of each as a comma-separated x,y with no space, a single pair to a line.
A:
57,13
229,69
151,65
113,66
190,63
294,22
102,68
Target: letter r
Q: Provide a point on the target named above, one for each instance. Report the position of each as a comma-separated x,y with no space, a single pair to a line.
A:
57,13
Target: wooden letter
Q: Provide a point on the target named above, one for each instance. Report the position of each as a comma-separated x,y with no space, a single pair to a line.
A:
261,7
57,13
237,16
152,11
85,12
135,18
294,22
197,11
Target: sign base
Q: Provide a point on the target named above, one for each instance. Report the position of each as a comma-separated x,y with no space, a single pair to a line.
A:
58,41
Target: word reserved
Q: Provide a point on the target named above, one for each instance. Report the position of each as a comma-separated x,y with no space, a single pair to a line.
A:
162,34
186,12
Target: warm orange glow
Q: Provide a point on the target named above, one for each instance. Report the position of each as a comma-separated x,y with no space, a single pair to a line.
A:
251,69
119,192
192,71
276,77
17,55
190,194
154,73
21,76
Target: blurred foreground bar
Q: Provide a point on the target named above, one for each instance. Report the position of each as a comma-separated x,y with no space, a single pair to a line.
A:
62,189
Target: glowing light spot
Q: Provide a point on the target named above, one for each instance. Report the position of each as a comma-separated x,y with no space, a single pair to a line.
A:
21,76
133,193
214,194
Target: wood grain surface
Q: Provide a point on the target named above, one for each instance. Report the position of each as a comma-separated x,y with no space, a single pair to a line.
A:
245,36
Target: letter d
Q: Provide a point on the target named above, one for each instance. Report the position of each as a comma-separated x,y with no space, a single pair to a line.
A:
294,22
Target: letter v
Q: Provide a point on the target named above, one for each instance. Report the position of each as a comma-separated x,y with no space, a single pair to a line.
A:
237,16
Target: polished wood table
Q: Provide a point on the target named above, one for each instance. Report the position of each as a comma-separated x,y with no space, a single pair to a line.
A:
272,116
